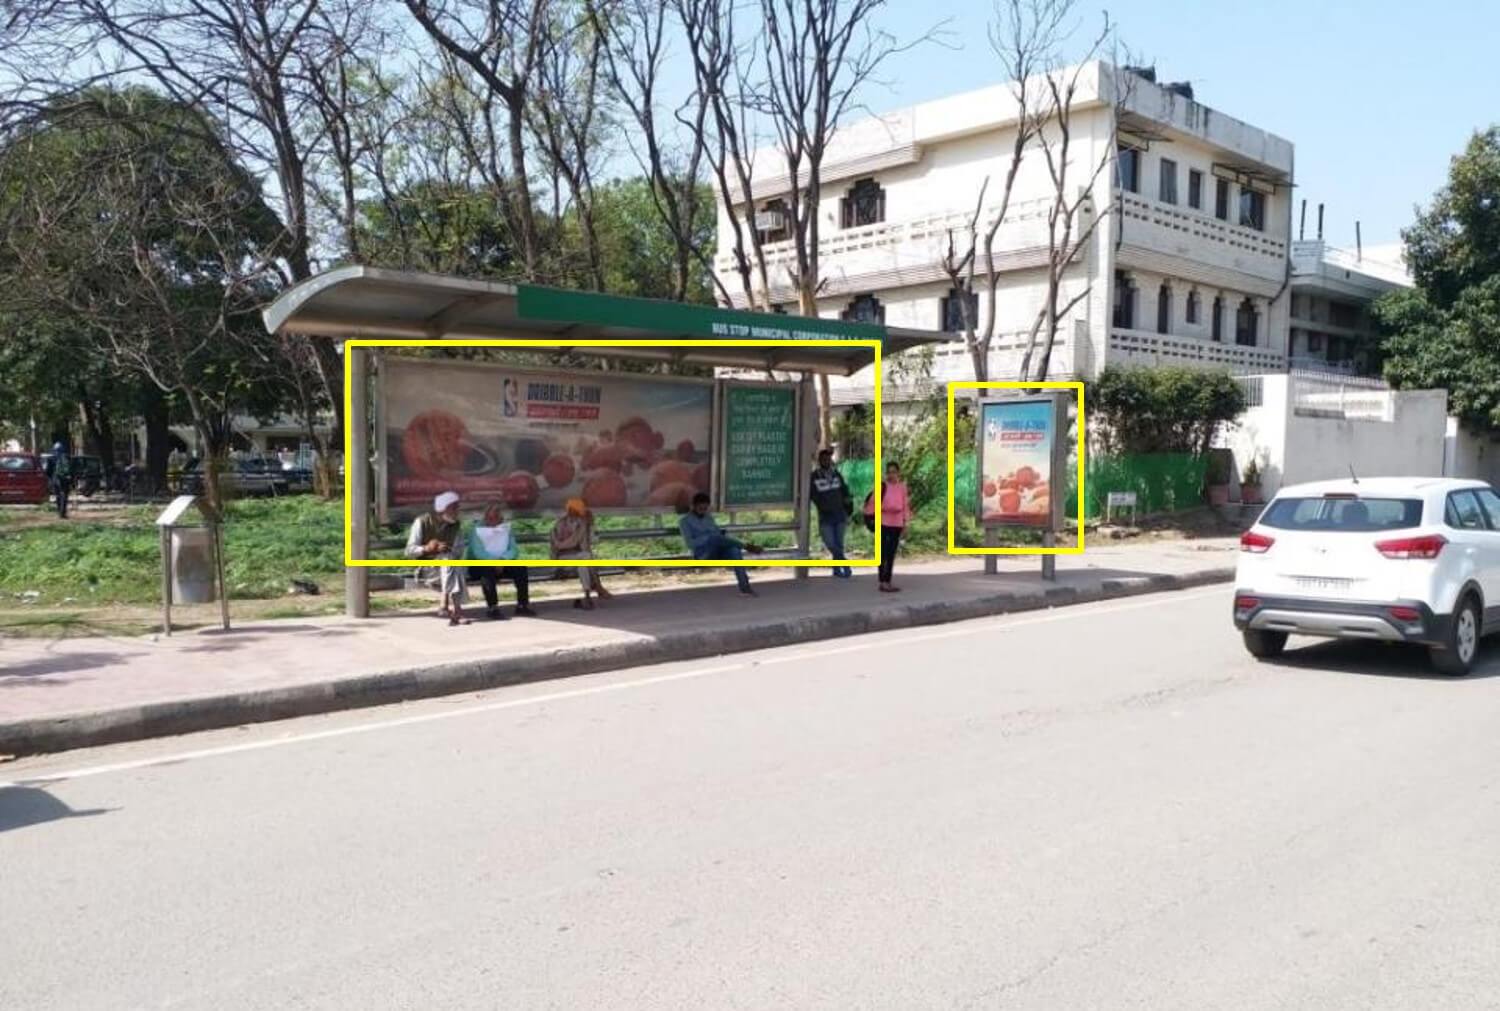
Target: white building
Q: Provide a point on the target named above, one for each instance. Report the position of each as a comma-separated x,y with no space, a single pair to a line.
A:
1331,328
1192,269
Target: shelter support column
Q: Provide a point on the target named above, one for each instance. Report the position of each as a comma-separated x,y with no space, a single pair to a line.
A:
807,435
357,477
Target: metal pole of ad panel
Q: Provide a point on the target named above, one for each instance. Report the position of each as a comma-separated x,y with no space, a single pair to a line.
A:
357,479
1059,467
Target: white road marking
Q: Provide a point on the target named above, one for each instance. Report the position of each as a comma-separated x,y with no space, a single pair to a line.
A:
885,640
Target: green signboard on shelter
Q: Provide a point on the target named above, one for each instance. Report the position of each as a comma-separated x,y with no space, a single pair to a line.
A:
682,319
760,445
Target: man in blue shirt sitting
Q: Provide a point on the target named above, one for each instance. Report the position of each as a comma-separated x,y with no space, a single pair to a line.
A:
706,541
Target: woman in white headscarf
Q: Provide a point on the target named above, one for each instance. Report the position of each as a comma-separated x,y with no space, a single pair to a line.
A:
438,536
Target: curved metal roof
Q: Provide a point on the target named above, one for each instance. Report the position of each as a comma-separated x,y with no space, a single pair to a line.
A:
372,302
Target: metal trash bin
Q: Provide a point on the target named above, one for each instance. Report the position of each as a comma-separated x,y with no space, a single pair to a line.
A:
194,574
191,569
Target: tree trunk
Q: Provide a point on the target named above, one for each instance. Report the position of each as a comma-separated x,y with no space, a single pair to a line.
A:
98,434
158,436
525,213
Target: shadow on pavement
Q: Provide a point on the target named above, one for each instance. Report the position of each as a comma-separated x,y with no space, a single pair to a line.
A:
1389,660
22,806
61,663
661,608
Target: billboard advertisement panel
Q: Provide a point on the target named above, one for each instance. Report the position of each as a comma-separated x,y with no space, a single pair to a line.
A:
533,439
1019,442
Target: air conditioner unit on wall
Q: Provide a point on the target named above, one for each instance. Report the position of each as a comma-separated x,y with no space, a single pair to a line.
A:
769,221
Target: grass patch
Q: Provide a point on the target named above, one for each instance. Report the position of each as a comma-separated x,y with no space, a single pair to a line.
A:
268,542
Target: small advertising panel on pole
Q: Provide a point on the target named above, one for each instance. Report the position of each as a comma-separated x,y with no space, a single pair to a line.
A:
1022,456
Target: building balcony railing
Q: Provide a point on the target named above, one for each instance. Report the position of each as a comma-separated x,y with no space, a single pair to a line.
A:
928,232
1306,363
1200,225
1140,347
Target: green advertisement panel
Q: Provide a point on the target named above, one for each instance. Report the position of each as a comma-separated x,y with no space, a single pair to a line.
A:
759,445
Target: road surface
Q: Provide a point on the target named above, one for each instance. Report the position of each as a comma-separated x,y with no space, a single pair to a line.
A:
1107,806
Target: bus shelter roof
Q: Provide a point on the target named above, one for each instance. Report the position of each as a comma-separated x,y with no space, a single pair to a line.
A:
372,302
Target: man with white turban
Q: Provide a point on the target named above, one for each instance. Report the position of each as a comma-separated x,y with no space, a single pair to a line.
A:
438,536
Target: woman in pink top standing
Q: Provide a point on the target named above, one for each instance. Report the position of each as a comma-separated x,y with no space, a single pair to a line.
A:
895,514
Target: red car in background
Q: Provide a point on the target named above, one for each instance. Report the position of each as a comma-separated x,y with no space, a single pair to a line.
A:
22,479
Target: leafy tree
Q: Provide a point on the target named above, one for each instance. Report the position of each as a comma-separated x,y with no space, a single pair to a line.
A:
1446,331
1455,243
1160,410
639,252
125,222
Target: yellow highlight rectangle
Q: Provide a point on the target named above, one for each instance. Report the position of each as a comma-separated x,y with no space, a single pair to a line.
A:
571,563
953,548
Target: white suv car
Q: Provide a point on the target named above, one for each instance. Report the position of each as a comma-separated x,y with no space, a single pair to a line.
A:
1396,559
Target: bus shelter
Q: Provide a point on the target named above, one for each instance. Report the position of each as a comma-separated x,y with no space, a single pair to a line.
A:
626,442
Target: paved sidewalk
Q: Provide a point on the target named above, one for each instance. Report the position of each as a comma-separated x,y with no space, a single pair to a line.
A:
77,692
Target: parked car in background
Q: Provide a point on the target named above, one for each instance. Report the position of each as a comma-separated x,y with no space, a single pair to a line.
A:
22,480
299,478
242,476
1406,560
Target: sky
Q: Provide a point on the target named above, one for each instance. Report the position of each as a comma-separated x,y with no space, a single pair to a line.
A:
1377,95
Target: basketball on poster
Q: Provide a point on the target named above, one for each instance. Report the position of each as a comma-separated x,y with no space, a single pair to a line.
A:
1017,440
531,440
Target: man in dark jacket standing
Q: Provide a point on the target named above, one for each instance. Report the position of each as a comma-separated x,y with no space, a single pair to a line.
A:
60,477
830,493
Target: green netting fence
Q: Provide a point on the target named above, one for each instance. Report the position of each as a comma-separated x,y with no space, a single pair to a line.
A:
1163,482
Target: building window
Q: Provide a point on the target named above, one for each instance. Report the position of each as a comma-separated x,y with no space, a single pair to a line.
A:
952,312
1253,209
773,221
1124,309
1195,189
1343,314
1221,199
1164,309
1315,343
1218,320
1192,306
864,309
864,204
1167,185
1246,324
1128,166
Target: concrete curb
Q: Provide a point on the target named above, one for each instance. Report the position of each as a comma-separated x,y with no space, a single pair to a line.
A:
165,719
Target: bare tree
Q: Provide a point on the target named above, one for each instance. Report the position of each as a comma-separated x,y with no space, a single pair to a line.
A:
564,118
672,161
1025,36
500,42
1028,37
1073,216
818,55
724,75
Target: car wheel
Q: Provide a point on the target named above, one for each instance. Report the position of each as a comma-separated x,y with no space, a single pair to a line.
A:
1264,645
1455,657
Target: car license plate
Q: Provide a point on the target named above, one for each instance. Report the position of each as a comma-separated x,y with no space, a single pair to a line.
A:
1323,583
